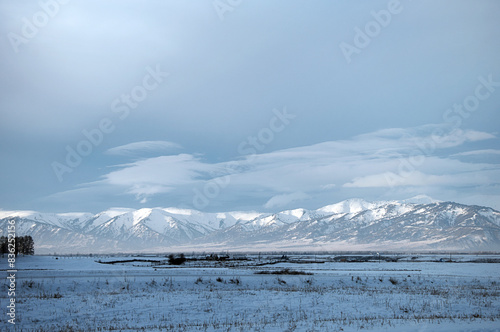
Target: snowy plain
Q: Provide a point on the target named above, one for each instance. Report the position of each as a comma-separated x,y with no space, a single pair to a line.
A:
308,293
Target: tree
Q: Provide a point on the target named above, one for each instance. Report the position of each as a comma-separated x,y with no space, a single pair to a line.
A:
19,245
22,244
29,247
4,247
172,260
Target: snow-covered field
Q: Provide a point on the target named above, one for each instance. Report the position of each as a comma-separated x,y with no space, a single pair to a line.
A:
79,293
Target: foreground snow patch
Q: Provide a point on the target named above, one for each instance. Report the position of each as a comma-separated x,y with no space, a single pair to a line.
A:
77,293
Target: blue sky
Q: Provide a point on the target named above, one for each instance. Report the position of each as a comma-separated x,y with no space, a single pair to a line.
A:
250,105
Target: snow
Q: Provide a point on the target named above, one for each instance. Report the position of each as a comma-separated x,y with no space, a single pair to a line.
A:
105,216
492,215
140,214
75,215
361,222
245,216
414,294
21,214
124,220
114,212
297,213
179,211
59,219
421,199
211,220
354,205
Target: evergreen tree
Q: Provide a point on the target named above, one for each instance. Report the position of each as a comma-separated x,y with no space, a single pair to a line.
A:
22,244
30,246
4,247
19,245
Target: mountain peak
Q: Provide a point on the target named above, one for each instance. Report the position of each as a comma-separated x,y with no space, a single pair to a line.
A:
353,205
421,199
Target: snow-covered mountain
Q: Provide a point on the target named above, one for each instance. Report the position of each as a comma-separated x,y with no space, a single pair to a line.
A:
415,224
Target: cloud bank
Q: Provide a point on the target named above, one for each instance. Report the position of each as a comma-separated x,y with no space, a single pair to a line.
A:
396,160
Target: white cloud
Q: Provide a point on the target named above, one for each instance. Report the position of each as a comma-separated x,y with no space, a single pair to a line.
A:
383,159
165,170
473,135
391,179
416,178
440,138
143,191
477,152
157,175
284,199
143,147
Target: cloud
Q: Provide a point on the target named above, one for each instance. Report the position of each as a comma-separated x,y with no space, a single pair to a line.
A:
473,135
165,172
362,161
384,159
143,191
477,152
158,175
456,137
142,147
365,161
479,177
284,199
391,179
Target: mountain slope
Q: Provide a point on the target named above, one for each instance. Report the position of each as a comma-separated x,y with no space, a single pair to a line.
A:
354,223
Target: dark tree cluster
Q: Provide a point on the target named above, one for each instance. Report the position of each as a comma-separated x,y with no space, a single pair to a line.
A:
22,245
179,260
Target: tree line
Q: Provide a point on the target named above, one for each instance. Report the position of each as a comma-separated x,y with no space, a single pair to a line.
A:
22,245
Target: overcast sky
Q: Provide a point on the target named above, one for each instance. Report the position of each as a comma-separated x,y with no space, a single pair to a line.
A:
250,105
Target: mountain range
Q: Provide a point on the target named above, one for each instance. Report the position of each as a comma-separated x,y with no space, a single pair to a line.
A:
420,223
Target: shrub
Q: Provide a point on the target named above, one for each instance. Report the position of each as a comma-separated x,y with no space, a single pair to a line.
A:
281,281
285,272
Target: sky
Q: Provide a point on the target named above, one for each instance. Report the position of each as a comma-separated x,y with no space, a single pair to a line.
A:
231,105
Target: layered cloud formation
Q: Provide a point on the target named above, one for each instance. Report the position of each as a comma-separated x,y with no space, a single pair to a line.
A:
385,163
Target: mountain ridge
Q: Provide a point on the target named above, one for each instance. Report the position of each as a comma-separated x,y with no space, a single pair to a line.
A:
353,223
